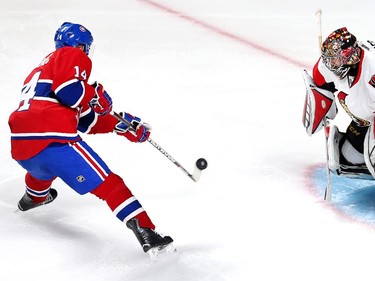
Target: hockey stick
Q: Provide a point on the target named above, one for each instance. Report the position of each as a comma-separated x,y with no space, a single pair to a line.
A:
328,190
200,164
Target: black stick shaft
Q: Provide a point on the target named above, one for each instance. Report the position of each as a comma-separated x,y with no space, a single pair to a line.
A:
157,146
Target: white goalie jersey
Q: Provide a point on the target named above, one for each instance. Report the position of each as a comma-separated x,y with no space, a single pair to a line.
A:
355,93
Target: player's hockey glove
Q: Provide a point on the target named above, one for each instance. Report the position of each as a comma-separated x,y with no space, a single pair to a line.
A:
136,132
102,102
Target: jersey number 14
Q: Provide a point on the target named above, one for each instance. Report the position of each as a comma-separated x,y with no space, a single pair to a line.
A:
28,92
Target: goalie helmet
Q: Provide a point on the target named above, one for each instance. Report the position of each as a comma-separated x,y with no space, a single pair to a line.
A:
339,52
73,35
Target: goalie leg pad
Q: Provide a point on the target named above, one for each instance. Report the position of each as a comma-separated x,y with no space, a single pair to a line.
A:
334,139
351,154
344,158
369,149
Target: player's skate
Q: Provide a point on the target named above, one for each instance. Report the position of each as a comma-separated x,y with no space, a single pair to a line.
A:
152,242
26,202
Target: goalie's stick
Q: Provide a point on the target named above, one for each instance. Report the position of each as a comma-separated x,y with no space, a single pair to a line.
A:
200,164
328,190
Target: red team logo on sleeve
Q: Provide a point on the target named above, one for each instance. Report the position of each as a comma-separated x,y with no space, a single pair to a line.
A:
372,81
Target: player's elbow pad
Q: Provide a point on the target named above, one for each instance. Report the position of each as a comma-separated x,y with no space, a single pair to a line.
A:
71,94
87,121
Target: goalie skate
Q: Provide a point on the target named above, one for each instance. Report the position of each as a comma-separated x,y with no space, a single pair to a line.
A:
356,171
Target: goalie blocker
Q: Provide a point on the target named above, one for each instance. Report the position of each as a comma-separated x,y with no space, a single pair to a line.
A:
319,104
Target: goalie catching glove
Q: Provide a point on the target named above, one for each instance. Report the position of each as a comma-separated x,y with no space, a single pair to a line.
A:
136,131
319,104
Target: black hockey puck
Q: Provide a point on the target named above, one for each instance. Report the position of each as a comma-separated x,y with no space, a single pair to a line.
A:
201,163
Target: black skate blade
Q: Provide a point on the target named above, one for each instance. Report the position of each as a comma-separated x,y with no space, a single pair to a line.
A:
157,252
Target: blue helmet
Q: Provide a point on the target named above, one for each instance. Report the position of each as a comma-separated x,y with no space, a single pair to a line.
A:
73,35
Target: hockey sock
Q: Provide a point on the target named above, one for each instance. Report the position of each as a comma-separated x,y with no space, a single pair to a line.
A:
37,189
121,201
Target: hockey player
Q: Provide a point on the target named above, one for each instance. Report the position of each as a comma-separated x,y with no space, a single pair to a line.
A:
56,103
345,72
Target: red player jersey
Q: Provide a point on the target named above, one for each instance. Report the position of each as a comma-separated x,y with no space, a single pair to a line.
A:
53,96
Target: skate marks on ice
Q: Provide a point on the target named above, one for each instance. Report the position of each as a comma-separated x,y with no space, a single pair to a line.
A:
351,197
189,262
157,254
104,251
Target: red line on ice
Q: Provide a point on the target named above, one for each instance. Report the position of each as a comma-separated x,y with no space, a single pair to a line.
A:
225,33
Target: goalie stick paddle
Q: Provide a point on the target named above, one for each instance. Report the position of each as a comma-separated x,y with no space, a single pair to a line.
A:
200,164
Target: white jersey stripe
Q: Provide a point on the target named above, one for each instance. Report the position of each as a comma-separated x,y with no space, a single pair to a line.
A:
89,160
102,170
124,204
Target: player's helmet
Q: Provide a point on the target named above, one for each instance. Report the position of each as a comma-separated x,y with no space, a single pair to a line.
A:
72,34
339,52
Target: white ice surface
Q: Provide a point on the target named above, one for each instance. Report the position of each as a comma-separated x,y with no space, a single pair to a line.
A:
209,93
